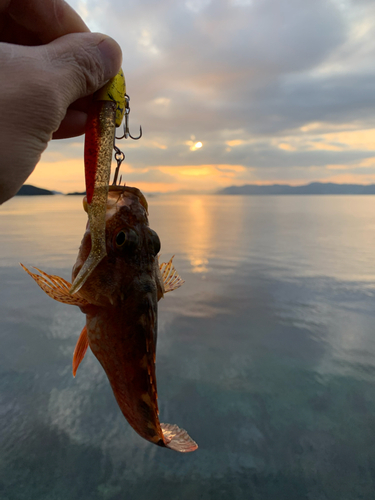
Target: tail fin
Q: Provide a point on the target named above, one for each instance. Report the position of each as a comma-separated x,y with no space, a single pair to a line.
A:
177,439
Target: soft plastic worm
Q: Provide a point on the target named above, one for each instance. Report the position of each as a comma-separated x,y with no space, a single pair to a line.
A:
106,113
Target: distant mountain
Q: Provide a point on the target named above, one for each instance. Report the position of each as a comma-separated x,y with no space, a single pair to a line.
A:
29,190
312,188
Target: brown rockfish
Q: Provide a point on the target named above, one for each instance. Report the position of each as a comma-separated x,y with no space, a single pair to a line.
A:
120,300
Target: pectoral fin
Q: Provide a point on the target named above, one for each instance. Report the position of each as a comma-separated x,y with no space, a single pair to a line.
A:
80,350
171,278
56,287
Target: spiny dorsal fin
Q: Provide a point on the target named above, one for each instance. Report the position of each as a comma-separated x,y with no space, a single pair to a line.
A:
177,439
171,278
56,287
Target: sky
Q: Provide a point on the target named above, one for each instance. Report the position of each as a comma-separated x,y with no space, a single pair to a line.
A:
233,92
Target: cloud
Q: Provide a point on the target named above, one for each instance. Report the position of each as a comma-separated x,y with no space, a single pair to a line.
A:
248,79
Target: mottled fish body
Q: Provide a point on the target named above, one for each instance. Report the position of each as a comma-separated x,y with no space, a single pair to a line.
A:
120,300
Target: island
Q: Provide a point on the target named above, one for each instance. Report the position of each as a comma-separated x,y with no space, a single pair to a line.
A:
312,188
29,190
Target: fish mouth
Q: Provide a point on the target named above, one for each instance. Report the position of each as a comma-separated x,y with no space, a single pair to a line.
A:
132,190
117,198
112,200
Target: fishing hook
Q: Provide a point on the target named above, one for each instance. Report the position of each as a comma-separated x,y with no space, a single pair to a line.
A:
126,122
119,157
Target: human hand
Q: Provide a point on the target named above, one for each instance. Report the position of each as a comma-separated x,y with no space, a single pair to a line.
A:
50,63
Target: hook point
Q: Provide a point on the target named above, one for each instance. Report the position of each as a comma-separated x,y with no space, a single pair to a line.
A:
140,134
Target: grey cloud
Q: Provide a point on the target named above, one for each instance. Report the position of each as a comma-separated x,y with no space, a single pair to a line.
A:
285,159
221,61
331,99
254,69
259,155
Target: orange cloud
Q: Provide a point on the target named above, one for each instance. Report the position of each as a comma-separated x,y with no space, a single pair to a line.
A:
362,140
68,176
202,177
214,173
158,187
286,147
365,163
65,176
323,146
234,142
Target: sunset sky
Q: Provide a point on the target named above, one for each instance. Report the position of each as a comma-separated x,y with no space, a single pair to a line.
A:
231,92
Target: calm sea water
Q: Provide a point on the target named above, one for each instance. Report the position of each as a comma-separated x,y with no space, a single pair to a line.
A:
266,356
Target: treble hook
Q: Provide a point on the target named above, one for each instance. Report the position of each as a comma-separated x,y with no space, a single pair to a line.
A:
126,122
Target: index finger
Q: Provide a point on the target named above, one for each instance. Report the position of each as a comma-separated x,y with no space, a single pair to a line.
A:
46,19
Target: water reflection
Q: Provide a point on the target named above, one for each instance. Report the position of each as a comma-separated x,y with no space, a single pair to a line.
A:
200,228
200,232
41,228
266,355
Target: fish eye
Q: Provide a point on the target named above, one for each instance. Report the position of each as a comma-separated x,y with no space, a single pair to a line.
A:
120,239
155,242
127,238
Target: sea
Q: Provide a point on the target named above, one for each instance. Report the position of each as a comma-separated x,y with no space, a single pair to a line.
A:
266,355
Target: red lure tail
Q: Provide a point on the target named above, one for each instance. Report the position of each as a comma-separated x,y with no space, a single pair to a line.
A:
92,145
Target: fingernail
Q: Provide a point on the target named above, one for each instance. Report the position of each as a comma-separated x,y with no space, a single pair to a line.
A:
111,55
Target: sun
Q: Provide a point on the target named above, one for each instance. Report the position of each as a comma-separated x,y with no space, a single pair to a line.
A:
194,145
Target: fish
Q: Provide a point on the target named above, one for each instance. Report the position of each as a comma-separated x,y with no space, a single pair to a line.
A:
120,300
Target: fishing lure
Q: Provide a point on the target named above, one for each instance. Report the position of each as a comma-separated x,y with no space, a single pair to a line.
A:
107,111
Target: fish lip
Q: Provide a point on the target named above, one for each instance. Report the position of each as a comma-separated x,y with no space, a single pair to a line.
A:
121,190
133,190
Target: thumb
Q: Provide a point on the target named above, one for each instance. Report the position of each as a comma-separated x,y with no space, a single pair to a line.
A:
38,84
81,63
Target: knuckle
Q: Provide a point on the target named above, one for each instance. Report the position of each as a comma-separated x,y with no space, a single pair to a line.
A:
28,85
83,71
42,105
